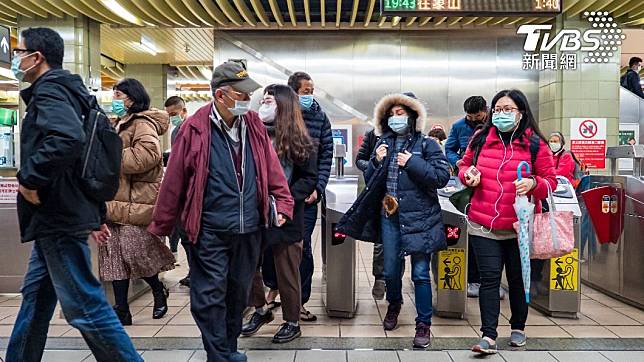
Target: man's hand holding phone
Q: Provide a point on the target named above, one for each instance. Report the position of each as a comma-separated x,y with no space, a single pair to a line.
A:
472,177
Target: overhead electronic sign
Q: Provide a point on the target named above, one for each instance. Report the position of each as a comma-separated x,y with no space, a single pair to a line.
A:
469,7
5,45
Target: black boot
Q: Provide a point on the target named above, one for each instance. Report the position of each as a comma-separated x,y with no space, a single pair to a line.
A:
160,303
124,315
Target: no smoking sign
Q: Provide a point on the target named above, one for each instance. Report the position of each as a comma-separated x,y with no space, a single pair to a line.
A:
588,140
588,128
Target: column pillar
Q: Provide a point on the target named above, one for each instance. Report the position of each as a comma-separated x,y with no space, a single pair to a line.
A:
592,90
155,80
82,37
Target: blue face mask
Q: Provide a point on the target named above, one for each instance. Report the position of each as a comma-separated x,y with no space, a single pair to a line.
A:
118,107
306,101
398,124
15,67
176,120
505,122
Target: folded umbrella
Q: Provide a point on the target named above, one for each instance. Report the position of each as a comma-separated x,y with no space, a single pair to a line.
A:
525,213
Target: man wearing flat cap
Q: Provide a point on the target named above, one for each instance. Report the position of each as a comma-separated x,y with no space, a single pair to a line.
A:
220,176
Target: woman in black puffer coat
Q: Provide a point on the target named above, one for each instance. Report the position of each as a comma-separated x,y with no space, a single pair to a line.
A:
400,204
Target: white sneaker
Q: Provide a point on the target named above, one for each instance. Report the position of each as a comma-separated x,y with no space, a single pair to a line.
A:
473,290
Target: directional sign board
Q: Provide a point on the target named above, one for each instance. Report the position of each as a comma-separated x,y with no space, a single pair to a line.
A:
5,45
451,269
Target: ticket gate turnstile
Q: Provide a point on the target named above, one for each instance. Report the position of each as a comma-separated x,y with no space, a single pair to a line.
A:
616,267
340,281
449,267
555,285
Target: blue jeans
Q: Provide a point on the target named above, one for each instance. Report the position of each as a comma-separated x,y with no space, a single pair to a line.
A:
394,260
60,269
306,266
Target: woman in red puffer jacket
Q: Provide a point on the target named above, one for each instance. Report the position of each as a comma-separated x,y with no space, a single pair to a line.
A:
503,143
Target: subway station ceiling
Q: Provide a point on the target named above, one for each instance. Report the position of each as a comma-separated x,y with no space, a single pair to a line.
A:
281,14
183,31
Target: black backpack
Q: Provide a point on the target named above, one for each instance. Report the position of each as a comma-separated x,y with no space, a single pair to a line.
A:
100,164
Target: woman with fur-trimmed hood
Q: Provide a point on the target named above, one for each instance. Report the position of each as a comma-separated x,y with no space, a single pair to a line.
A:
400,205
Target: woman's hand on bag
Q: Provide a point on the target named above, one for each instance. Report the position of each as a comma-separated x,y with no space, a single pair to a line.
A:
524,186
381,152
281,219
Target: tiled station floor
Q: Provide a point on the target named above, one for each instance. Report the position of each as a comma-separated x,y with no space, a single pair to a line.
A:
601,319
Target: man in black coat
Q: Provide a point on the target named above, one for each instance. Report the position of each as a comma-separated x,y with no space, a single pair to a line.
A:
631,80
54,212
319,128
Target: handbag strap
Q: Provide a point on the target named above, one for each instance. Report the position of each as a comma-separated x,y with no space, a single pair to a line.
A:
551,218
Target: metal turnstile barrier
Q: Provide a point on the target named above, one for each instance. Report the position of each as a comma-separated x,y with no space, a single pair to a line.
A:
339,284
555,285
450,266
615,267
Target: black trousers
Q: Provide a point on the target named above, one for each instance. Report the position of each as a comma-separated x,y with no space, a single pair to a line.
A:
491,256
221,271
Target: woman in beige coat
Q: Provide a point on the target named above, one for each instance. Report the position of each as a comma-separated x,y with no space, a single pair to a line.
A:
131,252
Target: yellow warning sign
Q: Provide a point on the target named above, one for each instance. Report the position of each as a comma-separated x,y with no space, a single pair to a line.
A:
451,269
564,272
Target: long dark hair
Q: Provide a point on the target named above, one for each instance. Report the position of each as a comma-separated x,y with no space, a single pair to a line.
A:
137,94
292,138
527,120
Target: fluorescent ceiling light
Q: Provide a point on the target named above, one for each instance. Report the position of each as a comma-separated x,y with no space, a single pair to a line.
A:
148,45
119,10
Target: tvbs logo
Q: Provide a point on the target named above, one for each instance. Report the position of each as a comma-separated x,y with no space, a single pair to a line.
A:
569,40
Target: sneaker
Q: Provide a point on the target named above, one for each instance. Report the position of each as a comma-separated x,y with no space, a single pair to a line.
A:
378,290
422,338
287,333
185,282
517,339
255,323
391,319
485,347
501,293
473,290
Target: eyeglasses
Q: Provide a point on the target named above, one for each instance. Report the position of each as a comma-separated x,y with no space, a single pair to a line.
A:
506,109
22,50
240,94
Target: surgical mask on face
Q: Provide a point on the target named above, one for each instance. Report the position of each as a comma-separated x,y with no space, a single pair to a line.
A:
15,67
555,147
118,107
306,101
176,120
241,108
398,124
505,122
267,112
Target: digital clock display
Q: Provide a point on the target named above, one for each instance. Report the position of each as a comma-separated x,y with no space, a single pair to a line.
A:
469,7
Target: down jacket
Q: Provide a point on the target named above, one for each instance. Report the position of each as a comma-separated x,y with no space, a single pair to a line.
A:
319,127
421,223
485,196
141,168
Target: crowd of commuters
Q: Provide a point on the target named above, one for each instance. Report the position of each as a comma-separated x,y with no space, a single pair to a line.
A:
241,192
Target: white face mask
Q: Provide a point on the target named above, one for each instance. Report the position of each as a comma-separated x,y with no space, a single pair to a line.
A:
267,112
555,147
